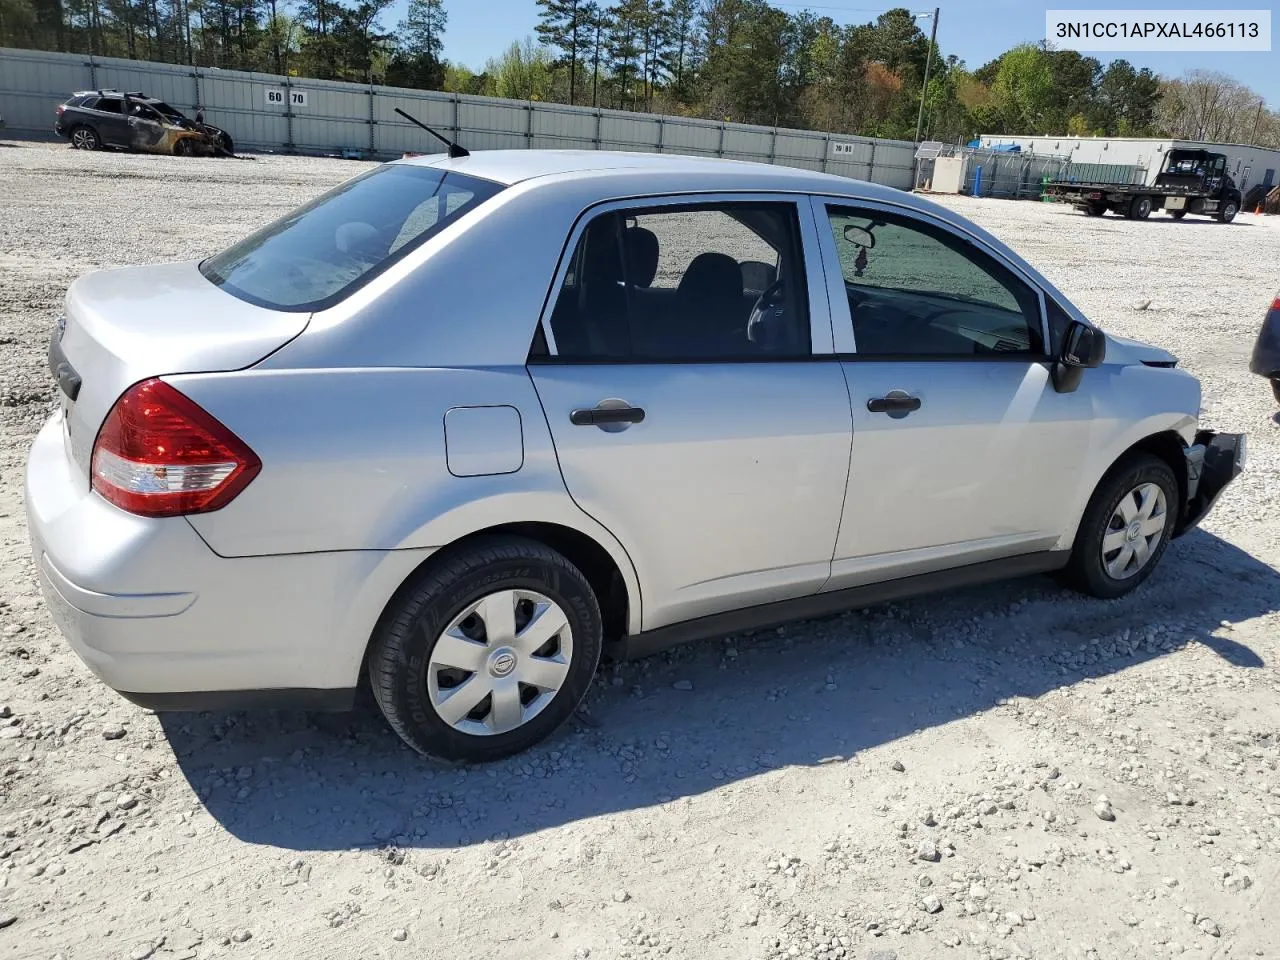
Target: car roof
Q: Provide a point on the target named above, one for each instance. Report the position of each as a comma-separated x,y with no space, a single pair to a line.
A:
145,98
516,166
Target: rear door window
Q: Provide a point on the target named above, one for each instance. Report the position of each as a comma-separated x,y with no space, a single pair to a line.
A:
110,105
686,283
319,254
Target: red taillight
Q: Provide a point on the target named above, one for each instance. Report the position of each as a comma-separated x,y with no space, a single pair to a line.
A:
1275,304
61,109
159,454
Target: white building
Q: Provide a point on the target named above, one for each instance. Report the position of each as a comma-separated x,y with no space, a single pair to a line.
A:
1246,165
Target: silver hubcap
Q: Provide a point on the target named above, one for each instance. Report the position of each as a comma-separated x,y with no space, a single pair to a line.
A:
1134,531
500,662
82,138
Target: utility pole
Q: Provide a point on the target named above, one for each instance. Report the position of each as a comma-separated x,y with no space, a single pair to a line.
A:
933,36
1253,140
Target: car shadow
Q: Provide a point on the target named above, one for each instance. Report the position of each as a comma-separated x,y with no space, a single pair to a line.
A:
802,695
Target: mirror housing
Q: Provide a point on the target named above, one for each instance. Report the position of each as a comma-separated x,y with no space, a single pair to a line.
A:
1083,348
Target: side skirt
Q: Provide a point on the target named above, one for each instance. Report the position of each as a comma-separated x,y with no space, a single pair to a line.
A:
825,604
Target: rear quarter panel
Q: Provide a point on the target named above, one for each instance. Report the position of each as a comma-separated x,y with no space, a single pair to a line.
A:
355,459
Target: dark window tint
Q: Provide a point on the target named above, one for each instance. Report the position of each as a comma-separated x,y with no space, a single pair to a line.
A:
88,103
705,282
318,254
918,290
110,105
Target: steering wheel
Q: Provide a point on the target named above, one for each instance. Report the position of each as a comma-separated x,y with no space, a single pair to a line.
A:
761,328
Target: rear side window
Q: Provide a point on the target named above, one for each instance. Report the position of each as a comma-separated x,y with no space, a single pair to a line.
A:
702,282
88,103
110,105
323,251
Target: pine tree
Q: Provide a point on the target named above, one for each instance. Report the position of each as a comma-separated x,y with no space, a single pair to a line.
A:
563,25
417,61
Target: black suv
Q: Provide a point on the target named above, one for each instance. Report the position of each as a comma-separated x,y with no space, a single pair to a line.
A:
93,119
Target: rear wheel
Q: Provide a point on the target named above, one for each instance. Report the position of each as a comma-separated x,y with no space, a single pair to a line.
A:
1228,211
1177,214
1095,208
1140,208
85,138
1275,388
183,148
487,651
1125,528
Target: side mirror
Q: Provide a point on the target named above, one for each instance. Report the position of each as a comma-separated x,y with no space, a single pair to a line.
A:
1083,348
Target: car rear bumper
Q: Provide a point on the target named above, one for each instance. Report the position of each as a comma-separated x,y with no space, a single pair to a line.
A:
161,618
1213,461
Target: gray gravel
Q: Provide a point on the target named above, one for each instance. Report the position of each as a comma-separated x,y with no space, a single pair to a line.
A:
761,796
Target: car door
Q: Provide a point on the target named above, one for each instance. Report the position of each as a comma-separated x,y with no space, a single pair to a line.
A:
963,451
111,122
146,129
703,421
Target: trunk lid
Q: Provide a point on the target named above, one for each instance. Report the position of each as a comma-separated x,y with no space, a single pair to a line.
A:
127,324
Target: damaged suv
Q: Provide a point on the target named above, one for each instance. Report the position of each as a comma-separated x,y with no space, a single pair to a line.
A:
460,424
95,119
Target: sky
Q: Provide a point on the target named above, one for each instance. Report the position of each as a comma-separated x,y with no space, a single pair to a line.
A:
975,30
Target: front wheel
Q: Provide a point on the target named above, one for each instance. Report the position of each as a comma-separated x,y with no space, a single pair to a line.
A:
1228,211
486,651
1125,528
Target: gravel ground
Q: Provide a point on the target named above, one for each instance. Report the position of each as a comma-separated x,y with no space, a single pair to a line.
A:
1002,772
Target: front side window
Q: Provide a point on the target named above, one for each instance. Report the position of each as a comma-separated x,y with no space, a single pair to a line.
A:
110,105
717,281
915,289
317,255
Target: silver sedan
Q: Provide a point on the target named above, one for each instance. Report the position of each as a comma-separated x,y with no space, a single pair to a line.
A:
459,424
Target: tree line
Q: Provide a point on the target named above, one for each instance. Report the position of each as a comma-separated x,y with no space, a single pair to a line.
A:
740,60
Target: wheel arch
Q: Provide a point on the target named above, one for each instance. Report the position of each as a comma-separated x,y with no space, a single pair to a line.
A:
1157,437
616,588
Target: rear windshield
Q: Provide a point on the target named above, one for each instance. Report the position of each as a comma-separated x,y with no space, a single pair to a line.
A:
323,251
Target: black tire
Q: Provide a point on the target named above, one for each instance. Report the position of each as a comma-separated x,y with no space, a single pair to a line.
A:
226,144
1177,214
183,147
1228,211
1085,570
442,590
84,137
1140,207
1095,208
1275,388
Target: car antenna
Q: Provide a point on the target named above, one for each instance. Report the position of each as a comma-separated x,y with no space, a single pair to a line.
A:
455,151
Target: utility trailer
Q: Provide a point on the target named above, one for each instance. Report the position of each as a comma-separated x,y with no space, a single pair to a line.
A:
1191,181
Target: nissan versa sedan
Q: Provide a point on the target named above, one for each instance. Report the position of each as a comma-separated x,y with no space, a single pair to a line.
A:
461,424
